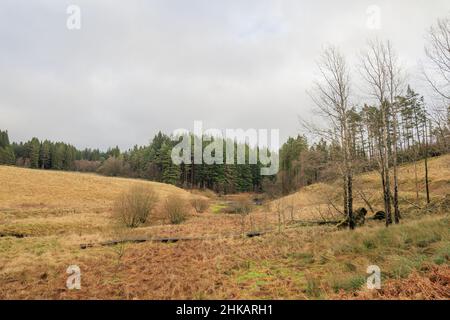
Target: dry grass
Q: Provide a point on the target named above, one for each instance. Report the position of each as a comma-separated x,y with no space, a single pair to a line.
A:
200,205
57,211
431,283
176,209
133,207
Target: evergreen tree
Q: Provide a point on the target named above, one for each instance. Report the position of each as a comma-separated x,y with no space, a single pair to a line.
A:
7,155
6,151
33,152
69,157
57,156
4,139
44,156
170,171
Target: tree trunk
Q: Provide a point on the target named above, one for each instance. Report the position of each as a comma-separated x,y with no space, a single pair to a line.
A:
426,163
394,162
350,201
387,182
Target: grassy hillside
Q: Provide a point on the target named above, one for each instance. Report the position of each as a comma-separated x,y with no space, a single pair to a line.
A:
45,216
39,202
314,201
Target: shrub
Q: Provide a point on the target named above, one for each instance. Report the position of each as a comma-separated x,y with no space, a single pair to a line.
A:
243,206
86,165
200,205
132,208
175,209
113,167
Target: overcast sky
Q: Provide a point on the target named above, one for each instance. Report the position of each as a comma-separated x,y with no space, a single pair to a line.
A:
139,66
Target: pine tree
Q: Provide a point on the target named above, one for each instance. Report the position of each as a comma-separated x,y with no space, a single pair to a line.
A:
170,171
57,156
7,155
44,156
6,151
69,157
4,139
33,152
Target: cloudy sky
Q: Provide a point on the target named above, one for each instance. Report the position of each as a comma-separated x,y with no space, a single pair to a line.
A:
139,66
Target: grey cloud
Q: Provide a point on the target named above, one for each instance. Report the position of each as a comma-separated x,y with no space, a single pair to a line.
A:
137,67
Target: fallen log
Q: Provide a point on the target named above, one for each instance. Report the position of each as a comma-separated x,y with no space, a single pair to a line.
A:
168,240
12,234
315,222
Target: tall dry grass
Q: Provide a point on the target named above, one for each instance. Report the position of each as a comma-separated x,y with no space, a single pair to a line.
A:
200,205
133,207
176,209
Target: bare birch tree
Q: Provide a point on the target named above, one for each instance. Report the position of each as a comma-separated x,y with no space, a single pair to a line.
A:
395,85
438,54
331,96
375,73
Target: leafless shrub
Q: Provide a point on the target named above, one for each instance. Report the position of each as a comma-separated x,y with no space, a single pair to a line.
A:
133,207
280,208
23,162
175,209
272,188
200,205
114,167
86,165
242,206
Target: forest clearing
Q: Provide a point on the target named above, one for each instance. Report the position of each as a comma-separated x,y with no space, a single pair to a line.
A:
46,215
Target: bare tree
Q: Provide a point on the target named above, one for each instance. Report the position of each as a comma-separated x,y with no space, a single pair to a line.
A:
426,129
395,84
438,53
331,97
375,69
437,74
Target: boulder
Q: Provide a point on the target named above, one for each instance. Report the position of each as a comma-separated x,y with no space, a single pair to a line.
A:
381,215
359,217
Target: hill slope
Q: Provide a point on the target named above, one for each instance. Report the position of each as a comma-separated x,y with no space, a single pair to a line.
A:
317,200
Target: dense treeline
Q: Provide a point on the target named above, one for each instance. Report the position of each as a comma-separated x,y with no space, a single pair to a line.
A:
152,162
301,164
49,155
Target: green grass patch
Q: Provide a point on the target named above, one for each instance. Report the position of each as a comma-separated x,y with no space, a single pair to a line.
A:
349,283
217,207
304,258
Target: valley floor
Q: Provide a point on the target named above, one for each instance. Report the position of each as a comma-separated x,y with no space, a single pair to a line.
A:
45,216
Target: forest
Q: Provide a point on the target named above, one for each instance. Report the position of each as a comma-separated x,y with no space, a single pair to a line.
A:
418,134
395,126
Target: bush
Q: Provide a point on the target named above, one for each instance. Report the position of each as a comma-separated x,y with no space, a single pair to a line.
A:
86,165
243,206
200,205
113,167
175,209
133,207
